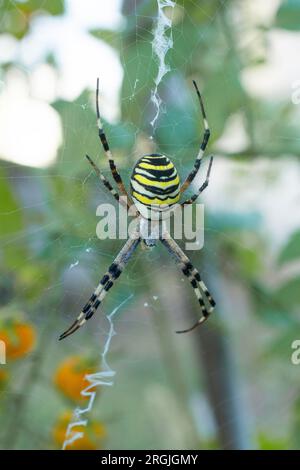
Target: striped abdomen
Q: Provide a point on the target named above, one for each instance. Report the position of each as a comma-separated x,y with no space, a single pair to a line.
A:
155,182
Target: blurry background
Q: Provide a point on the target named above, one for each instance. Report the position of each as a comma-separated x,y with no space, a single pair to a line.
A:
231,383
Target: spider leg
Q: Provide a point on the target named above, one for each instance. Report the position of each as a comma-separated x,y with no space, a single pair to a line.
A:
201,189
193,276
104,142
107,184
203,145
105,284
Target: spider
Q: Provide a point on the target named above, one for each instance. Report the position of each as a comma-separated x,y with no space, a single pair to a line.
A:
155,190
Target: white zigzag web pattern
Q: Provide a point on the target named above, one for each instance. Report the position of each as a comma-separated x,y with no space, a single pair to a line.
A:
101,378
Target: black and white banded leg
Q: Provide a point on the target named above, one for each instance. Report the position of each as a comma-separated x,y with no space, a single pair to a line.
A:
116,175
194,277
107,184
203,145
106,283
202,187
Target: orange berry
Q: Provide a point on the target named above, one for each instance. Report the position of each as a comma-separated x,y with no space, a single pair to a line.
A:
19,338
70,379
93,433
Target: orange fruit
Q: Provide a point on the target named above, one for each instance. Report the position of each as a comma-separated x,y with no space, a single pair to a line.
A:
70,379
93,433
19,338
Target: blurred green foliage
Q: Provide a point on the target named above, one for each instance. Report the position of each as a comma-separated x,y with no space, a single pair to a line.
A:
288,14
16,16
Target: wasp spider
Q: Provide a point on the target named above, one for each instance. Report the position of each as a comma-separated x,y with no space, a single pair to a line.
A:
155,191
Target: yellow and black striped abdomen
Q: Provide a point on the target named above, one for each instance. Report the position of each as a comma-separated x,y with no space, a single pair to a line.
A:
155,182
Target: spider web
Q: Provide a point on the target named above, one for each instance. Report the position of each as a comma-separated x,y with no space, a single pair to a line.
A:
161,44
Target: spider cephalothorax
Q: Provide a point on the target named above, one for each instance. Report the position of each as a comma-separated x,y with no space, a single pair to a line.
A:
155,190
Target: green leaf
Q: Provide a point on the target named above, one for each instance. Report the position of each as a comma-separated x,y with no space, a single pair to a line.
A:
81,137
55,7
288,15
139,72
291,251
80,134
289,294
18,14
110,37
270,307
179,131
